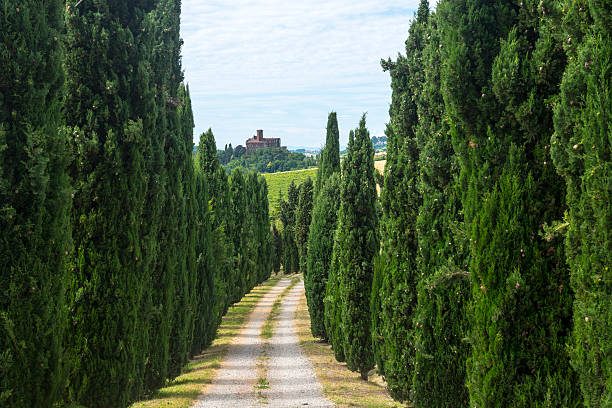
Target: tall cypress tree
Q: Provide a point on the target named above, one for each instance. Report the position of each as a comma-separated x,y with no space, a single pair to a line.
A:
106,76
581,150
34,205
502,138
322,227
303,218
400,199
239,232
208,163
160,30
330,155
320,247
287,212
356,244
440,318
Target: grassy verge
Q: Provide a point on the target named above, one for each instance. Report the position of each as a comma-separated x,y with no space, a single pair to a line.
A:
267,331
278,184
183,391
341,386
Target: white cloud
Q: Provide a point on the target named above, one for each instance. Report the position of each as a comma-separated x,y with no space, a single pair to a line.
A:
282,66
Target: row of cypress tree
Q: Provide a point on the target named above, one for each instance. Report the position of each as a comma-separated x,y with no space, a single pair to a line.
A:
342,243
497,149
119,252
492,286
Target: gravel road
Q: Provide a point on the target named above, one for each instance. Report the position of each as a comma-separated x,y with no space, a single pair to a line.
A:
233,386
291,375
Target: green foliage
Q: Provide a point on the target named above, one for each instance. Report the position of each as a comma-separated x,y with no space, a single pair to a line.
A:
320,247
581,151
278,185
440,317
35,233
441,325
322,228
518,282
355,245
303,217
109,334
287,216
400,199
329,162
270,160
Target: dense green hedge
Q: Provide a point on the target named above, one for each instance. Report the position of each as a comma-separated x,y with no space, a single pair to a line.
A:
35,238
581,150
156,247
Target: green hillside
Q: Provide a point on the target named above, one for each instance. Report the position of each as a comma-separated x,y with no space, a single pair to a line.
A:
278,183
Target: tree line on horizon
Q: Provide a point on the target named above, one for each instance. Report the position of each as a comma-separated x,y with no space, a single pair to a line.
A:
491,286
268,160
120,250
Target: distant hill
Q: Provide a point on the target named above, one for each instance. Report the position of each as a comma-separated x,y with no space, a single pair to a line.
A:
269,160
278,184
379,142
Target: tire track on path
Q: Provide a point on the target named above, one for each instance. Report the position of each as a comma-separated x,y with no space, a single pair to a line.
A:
291,376
233,385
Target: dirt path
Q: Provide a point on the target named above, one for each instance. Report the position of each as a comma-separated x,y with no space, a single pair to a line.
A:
233,386
291,376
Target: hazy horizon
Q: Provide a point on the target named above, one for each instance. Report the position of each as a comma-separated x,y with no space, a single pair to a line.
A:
283,67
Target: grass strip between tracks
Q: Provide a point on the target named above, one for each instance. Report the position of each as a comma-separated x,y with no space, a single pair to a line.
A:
267,331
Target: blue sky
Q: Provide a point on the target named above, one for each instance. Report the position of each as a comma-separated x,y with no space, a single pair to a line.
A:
282,66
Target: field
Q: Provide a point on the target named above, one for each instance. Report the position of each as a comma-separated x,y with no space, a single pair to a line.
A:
278,184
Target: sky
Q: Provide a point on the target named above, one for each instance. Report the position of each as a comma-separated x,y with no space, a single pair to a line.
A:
282,66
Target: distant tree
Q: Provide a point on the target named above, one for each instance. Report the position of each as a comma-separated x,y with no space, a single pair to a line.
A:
277,252
287,215
303,217
239,151
35,231
330,155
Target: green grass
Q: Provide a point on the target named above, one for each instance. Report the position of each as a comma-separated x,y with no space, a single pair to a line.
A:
278,183
184,390
267,329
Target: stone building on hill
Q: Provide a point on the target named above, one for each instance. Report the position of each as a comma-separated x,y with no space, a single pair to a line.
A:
260,142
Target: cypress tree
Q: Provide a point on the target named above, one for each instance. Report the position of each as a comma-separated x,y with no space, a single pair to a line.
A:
519,314
303,218
35,236
264,235
287,210
107,74
320,247
334,302
185,270
163,42
330,155
208,163
440,317
238,232
356,244
322,227
581,153
400,199
277,249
